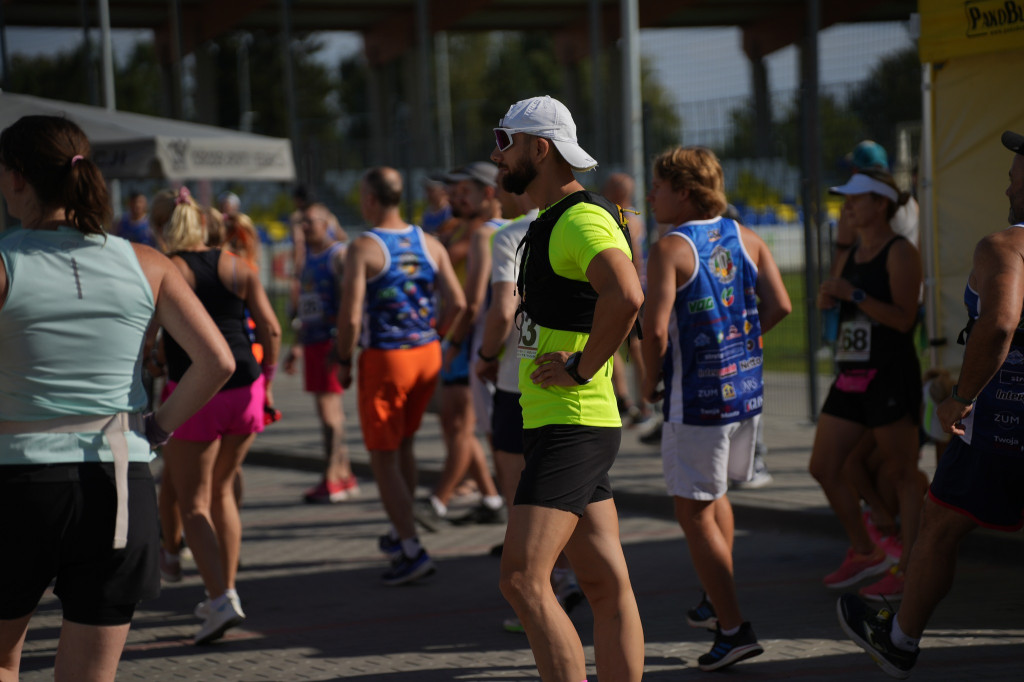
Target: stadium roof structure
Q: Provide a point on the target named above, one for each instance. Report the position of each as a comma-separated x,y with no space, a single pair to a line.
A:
389,27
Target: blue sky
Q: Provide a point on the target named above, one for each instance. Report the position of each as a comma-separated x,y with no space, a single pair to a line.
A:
694,64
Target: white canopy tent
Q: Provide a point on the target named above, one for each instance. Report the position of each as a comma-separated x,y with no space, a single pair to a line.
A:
972,53
134,146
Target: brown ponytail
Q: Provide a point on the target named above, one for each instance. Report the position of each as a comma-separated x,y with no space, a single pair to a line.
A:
53,155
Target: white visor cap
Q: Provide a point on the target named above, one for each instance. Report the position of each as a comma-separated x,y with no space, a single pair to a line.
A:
859,183
547,117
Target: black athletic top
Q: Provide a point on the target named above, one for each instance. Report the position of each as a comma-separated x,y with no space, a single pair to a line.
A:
227,311
863,341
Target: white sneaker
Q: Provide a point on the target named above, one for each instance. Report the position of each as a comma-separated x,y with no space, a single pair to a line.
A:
219,621
202,610
760,479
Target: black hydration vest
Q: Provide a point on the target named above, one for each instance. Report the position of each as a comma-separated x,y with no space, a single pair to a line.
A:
549,299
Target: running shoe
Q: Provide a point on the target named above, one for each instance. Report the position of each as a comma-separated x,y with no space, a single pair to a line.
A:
731,649
651,433
512,624
484,515
892,546
331,492
219,621
390,546
425,514
407,569
567,590
873,532
872,631
703,615
889,588
170,566
857,567
202,609
760,478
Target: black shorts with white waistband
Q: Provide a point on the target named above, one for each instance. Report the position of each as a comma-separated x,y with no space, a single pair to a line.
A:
58,523
567,466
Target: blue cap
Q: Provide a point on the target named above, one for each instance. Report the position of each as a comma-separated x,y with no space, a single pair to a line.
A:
869,154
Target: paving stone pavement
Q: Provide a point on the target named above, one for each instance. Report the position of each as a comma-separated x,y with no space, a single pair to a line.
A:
317,610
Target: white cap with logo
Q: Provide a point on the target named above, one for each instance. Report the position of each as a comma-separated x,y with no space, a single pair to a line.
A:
548,118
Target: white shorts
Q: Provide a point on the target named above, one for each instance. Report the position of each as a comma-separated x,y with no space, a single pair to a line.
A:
699,461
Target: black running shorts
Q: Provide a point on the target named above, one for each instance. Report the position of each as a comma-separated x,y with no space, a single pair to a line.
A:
986,485
507,423
567,466
57,521
877,397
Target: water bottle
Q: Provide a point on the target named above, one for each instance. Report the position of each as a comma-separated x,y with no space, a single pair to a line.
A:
830,324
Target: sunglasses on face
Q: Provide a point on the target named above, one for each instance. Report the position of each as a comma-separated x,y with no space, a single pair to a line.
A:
503,138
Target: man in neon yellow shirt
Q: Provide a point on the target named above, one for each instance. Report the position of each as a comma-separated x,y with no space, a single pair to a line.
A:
580,296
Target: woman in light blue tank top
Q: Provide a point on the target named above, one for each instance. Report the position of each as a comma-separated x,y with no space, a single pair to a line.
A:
74,445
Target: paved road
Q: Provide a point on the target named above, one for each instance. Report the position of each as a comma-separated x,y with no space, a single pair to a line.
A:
317,611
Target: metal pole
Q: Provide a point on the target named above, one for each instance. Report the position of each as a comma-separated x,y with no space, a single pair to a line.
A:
109,100
108,57
811,191
632,109
597,102
244,84
289,87
90,75
4,64
444,99
929,244
426,145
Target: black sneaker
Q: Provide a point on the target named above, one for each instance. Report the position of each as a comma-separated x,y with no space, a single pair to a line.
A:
390,546
482,514
703,615
729,650
425,515
407,569
872,631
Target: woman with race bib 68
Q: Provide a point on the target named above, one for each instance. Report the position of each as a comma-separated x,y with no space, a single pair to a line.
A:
878,385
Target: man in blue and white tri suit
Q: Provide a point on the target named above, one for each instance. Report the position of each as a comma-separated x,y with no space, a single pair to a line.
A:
712,290
980,478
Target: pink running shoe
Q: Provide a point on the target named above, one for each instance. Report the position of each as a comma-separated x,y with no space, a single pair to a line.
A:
873,532
856,567
889,588
892,546
326,492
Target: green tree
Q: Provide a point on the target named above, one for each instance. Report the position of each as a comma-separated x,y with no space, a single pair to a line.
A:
889,96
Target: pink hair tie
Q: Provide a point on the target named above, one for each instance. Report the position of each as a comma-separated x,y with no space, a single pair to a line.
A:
184,196
75,159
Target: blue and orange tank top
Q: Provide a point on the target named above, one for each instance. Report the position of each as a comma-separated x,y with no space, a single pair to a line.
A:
400,308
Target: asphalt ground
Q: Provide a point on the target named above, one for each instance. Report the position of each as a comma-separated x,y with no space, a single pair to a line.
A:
310,584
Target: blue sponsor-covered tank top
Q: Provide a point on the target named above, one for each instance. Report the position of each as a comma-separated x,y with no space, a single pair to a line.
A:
995,423
713,364
400,307
318,296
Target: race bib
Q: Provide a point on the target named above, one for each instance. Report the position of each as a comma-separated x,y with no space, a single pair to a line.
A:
310,307
529,338
854,342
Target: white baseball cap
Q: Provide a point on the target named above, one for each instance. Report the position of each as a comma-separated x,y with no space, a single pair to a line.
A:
548,118
859,183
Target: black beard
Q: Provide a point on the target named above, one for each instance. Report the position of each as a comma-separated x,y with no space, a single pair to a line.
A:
516,180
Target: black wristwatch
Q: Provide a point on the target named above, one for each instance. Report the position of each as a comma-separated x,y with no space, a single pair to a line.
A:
572,368
858,296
